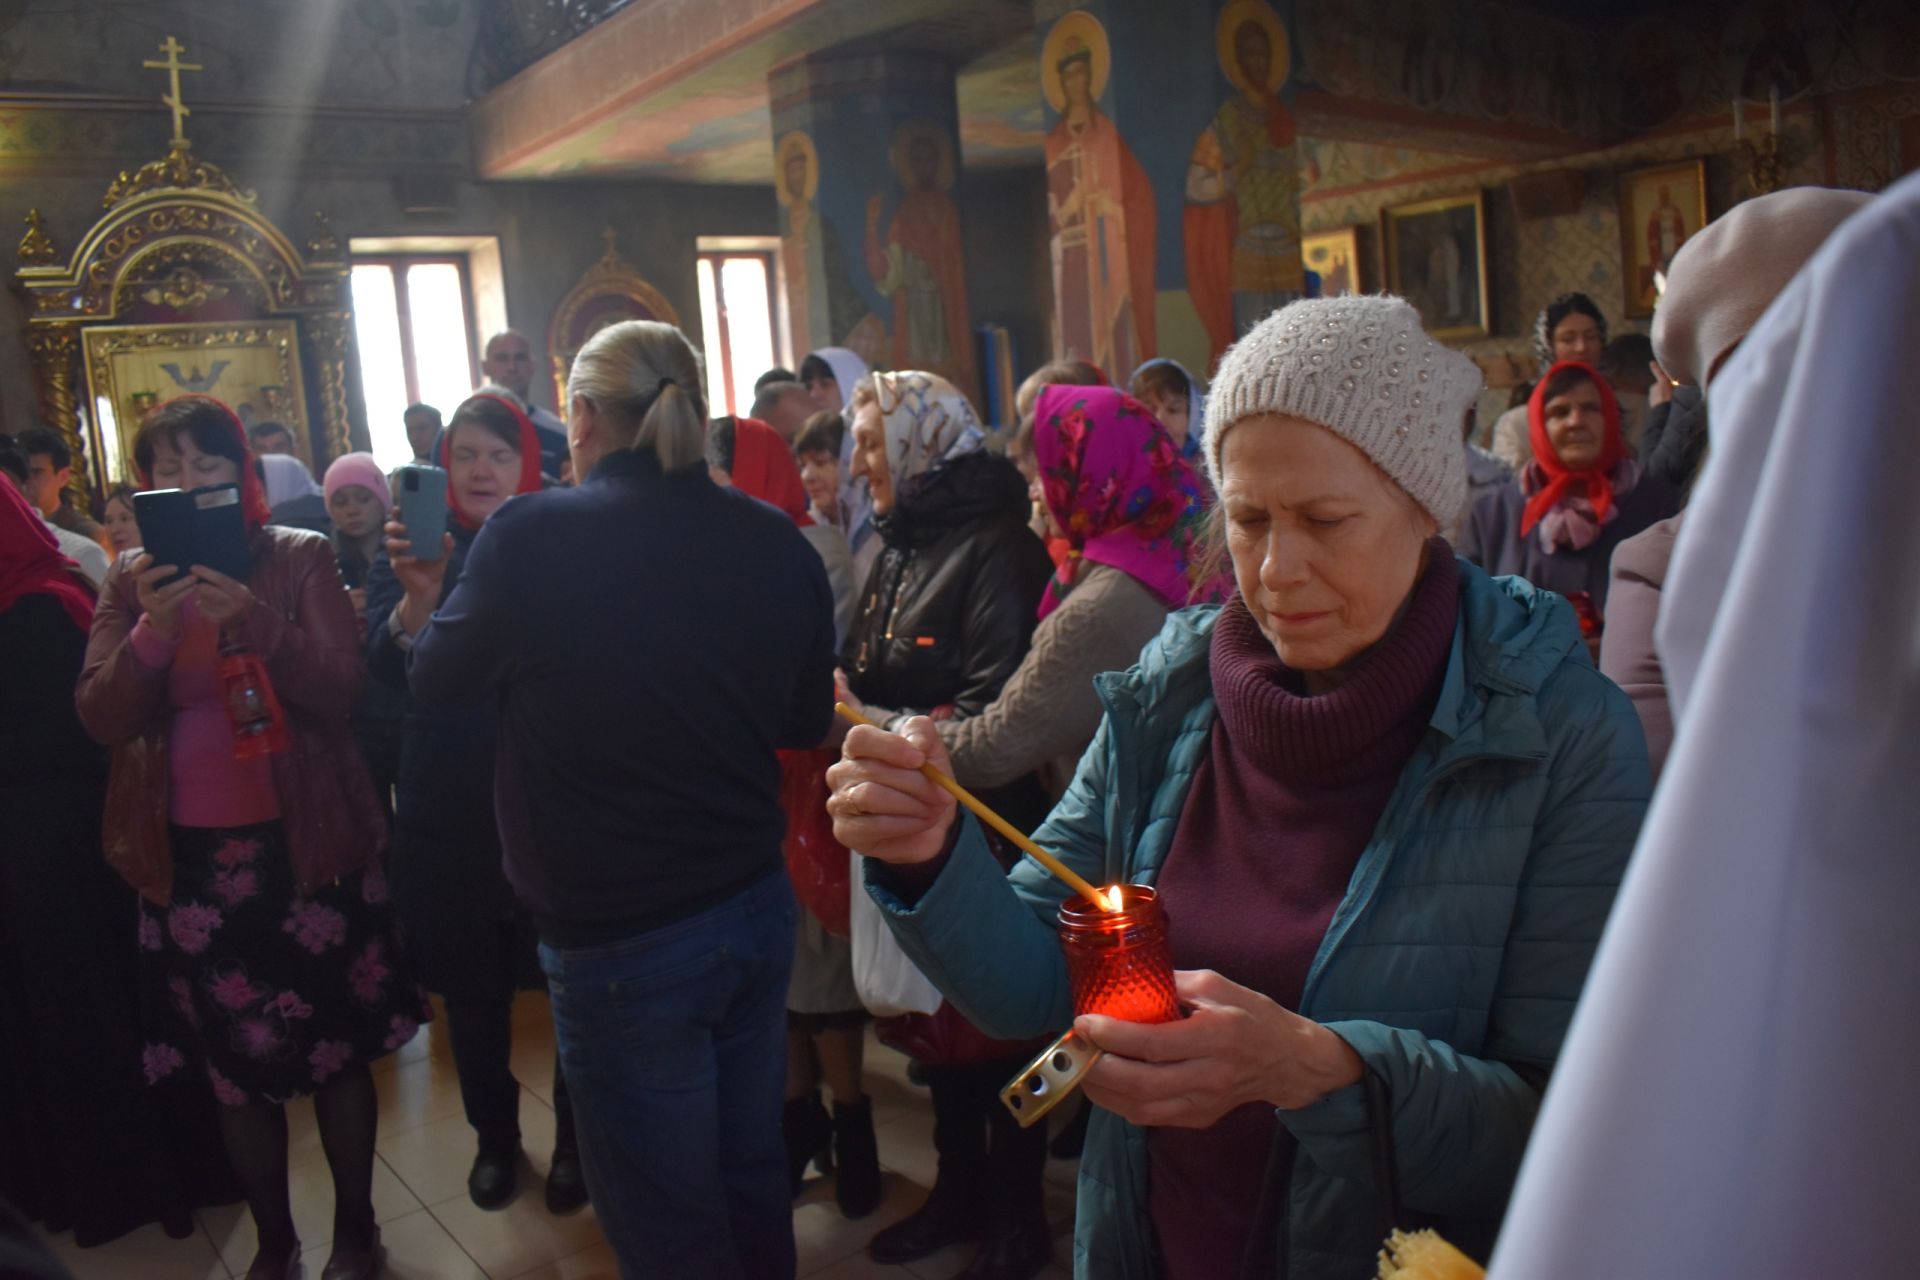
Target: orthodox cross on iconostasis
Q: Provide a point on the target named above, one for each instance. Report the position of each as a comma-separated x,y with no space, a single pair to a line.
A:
173,67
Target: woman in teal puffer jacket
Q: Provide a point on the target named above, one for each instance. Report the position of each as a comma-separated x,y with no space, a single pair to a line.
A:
1386,801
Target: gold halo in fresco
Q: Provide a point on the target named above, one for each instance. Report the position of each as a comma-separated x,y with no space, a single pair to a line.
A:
1078,30
911,131
1239,13
794,144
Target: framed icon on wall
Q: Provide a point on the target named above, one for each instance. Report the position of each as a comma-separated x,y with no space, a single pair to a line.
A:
1660,210
1332,259
1436,258
253,365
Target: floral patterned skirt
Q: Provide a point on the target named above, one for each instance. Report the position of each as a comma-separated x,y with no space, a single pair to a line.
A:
270,991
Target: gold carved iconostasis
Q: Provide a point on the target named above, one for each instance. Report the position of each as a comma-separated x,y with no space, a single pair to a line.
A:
183,285
610,292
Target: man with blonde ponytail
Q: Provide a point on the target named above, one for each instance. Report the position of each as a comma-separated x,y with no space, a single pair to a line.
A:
651,639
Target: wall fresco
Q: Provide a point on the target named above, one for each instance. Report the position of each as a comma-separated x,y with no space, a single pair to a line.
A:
872,248
1100,206
918,261
1243,183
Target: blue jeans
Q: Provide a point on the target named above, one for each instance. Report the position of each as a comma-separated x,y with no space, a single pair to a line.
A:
674,1047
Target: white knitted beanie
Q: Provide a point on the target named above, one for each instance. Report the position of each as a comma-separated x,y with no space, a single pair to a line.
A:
1363,368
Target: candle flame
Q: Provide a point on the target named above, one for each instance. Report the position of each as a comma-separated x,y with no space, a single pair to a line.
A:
1112,899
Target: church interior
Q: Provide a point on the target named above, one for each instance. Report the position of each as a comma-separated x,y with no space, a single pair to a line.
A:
320,213
531,144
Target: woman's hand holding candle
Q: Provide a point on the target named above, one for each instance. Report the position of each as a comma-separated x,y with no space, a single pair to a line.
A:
1236,1046
882,804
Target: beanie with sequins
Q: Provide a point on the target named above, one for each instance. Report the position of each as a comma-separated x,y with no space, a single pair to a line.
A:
1365,369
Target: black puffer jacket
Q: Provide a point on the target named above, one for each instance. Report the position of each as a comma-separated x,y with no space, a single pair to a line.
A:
1675,440
951,604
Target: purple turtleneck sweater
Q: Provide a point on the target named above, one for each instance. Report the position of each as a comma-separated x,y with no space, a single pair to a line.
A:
1279,813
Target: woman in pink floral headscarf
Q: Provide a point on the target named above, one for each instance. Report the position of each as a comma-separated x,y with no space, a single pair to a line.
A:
1131,509
1122,491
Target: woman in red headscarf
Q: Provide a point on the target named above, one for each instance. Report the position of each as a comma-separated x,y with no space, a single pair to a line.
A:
240,809
1557,523
470,938
85,1148
826,1023
752,457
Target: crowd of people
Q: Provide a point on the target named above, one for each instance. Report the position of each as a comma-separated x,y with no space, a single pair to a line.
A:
1375,708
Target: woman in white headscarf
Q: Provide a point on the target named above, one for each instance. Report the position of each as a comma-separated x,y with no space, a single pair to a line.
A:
1176,398
831,375
294,497
947,616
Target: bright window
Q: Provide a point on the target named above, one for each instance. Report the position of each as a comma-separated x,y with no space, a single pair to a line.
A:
413,320
736,322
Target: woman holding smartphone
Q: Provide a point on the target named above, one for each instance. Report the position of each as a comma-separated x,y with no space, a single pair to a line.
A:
265,943
473,941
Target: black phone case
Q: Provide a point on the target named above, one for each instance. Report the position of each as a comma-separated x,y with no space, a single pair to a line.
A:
195,526
220,530
165,517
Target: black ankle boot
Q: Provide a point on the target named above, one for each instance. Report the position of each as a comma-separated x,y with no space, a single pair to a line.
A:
1013,1250
858,1186
566,1180
949,1216
809,1136
495,1174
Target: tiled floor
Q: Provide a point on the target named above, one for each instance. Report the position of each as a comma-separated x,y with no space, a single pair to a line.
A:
433,1232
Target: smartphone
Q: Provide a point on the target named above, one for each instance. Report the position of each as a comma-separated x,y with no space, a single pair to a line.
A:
423,509
195,526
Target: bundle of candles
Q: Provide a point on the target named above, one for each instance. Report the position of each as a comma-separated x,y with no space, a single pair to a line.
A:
1423,1255
1115,940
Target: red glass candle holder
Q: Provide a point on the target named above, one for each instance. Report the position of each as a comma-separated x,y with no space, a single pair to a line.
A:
1118,965
1117,961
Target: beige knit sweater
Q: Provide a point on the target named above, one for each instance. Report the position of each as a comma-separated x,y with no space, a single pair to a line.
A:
1048,711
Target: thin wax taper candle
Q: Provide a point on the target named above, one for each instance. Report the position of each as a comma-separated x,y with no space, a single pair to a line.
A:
998,823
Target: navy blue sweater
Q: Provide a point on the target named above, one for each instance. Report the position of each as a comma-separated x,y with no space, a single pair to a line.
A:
652,639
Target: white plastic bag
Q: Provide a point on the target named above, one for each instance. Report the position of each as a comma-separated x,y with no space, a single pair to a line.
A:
889,984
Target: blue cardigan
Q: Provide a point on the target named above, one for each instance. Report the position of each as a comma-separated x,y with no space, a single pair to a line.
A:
1451,966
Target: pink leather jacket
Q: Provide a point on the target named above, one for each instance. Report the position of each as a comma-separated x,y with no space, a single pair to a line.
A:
303,628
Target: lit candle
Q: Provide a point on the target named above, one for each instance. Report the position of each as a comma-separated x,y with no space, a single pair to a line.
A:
1739,122
1773,107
